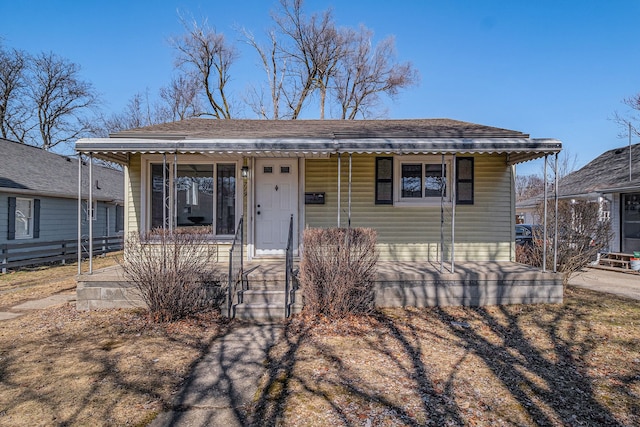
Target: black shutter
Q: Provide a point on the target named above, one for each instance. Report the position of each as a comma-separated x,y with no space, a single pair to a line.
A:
464,180
36,218
11,229
384,181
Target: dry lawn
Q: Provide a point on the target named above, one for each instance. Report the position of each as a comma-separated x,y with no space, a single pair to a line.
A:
576,364
41,281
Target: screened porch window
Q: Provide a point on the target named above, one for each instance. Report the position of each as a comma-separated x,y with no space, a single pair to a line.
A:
201,195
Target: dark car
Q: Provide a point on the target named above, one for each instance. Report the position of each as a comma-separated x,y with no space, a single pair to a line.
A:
526,234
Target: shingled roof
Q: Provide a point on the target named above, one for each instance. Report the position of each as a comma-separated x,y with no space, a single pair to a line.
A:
25,169
309,138
318,129
607,173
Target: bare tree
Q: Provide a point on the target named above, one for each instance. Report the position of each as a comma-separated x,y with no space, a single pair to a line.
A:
138,112
367,72
14,111
181,98
629,120
275,67
310,56
61,100
203,52
528,186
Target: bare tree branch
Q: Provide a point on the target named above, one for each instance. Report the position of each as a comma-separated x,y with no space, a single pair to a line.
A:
14,111
205,53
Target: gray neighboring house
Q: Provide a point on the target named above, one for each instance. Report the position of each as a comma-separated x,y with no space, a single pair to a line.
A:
612,180
39,200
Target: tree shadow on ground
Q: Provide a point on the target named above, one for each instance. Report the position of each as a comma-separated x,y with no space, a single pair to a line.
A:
536,356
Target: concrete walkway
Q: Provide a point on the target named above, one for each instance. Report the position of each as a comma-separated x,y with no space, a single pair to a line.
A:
613,282
224,381
50,301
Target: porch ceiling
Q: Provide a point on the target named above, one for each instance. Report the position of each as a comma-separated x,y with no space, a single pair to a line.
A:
518,149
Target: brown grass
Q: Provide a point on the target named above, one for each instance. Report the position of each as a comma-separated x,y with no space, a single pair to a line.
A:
26,284
571,364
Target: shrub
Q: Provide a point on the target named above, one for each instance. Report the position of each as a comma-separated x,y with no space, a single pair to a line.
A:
337,271
173,272
582,234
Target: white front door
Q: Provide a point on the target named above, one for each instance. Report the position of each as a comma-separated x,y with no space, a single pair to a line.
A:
276,199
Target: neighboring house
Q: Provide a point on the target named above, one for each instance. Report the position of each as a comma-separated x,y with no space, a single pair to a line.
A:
612,180
434,189
39,202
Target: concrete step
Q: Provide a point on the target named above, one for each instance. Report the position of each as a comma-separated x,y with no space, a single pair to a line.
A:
262,296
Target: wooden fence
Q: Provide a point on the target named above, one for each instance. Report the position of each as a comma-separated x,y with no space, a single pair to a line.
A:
13,255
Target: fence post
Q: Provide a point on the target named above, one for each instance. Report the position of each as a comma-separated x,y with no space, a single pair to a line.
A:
64,253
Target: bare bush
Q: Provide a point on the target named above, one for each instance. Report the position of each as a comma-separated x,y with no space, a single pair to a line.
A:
174,272
337,271
582,234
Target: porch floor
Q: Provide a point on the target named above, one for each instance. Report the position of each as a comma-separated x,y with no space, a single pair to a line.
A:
398,284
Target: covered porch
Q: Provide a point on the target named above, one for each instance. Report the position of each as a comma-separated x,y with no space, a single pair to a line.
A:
398,284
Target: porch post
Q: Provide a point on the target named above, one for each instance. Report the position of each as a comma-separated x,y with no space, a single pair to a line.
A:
164,191
555,233
79,213
174,218
544,229
349,219
339,173
90,210
453,213
441,213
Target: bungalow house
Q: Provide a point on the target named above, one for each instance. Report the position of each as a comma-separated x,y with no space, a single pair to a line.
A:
39,207
439,192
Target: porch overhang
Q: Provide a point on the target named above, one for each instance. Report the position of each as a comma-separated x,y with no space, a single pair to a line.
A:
518,150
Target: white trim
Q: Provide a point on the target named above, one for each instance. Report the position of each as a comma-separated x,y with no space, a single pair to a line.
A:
435,201
29,219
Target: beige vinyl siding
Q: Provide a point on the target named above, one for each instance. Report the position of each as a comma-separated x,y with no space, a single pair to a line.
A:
483,230
133,196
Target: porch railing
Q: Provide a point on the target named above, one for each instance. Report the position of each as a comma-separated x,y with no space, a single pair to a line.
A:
236,266
288,270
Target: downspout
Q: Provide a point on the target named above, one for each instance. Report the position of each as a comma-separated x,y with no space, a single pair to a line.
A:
544,229
79,213
90,210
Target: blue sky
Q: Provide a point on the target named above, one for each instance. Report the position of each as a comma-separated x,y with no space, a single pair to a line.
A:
556,69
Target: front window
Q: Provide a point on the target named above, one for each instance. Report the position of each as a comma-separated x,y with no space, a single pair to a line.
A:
24,218
199,195
423,180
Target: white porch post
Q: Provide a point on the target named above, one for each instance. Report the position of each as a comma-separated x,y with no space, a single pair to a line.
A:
174,218
453,213
164,192
339,173
442,186
555,233
349,219
79,213
544,230
90,211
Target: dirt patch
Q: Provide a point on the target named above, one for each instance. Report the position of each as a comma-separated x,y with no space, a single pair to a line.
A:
64,367
571,364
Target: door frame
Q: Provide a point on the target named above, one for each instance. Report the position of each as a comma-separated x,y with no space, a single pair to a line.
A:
252,246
